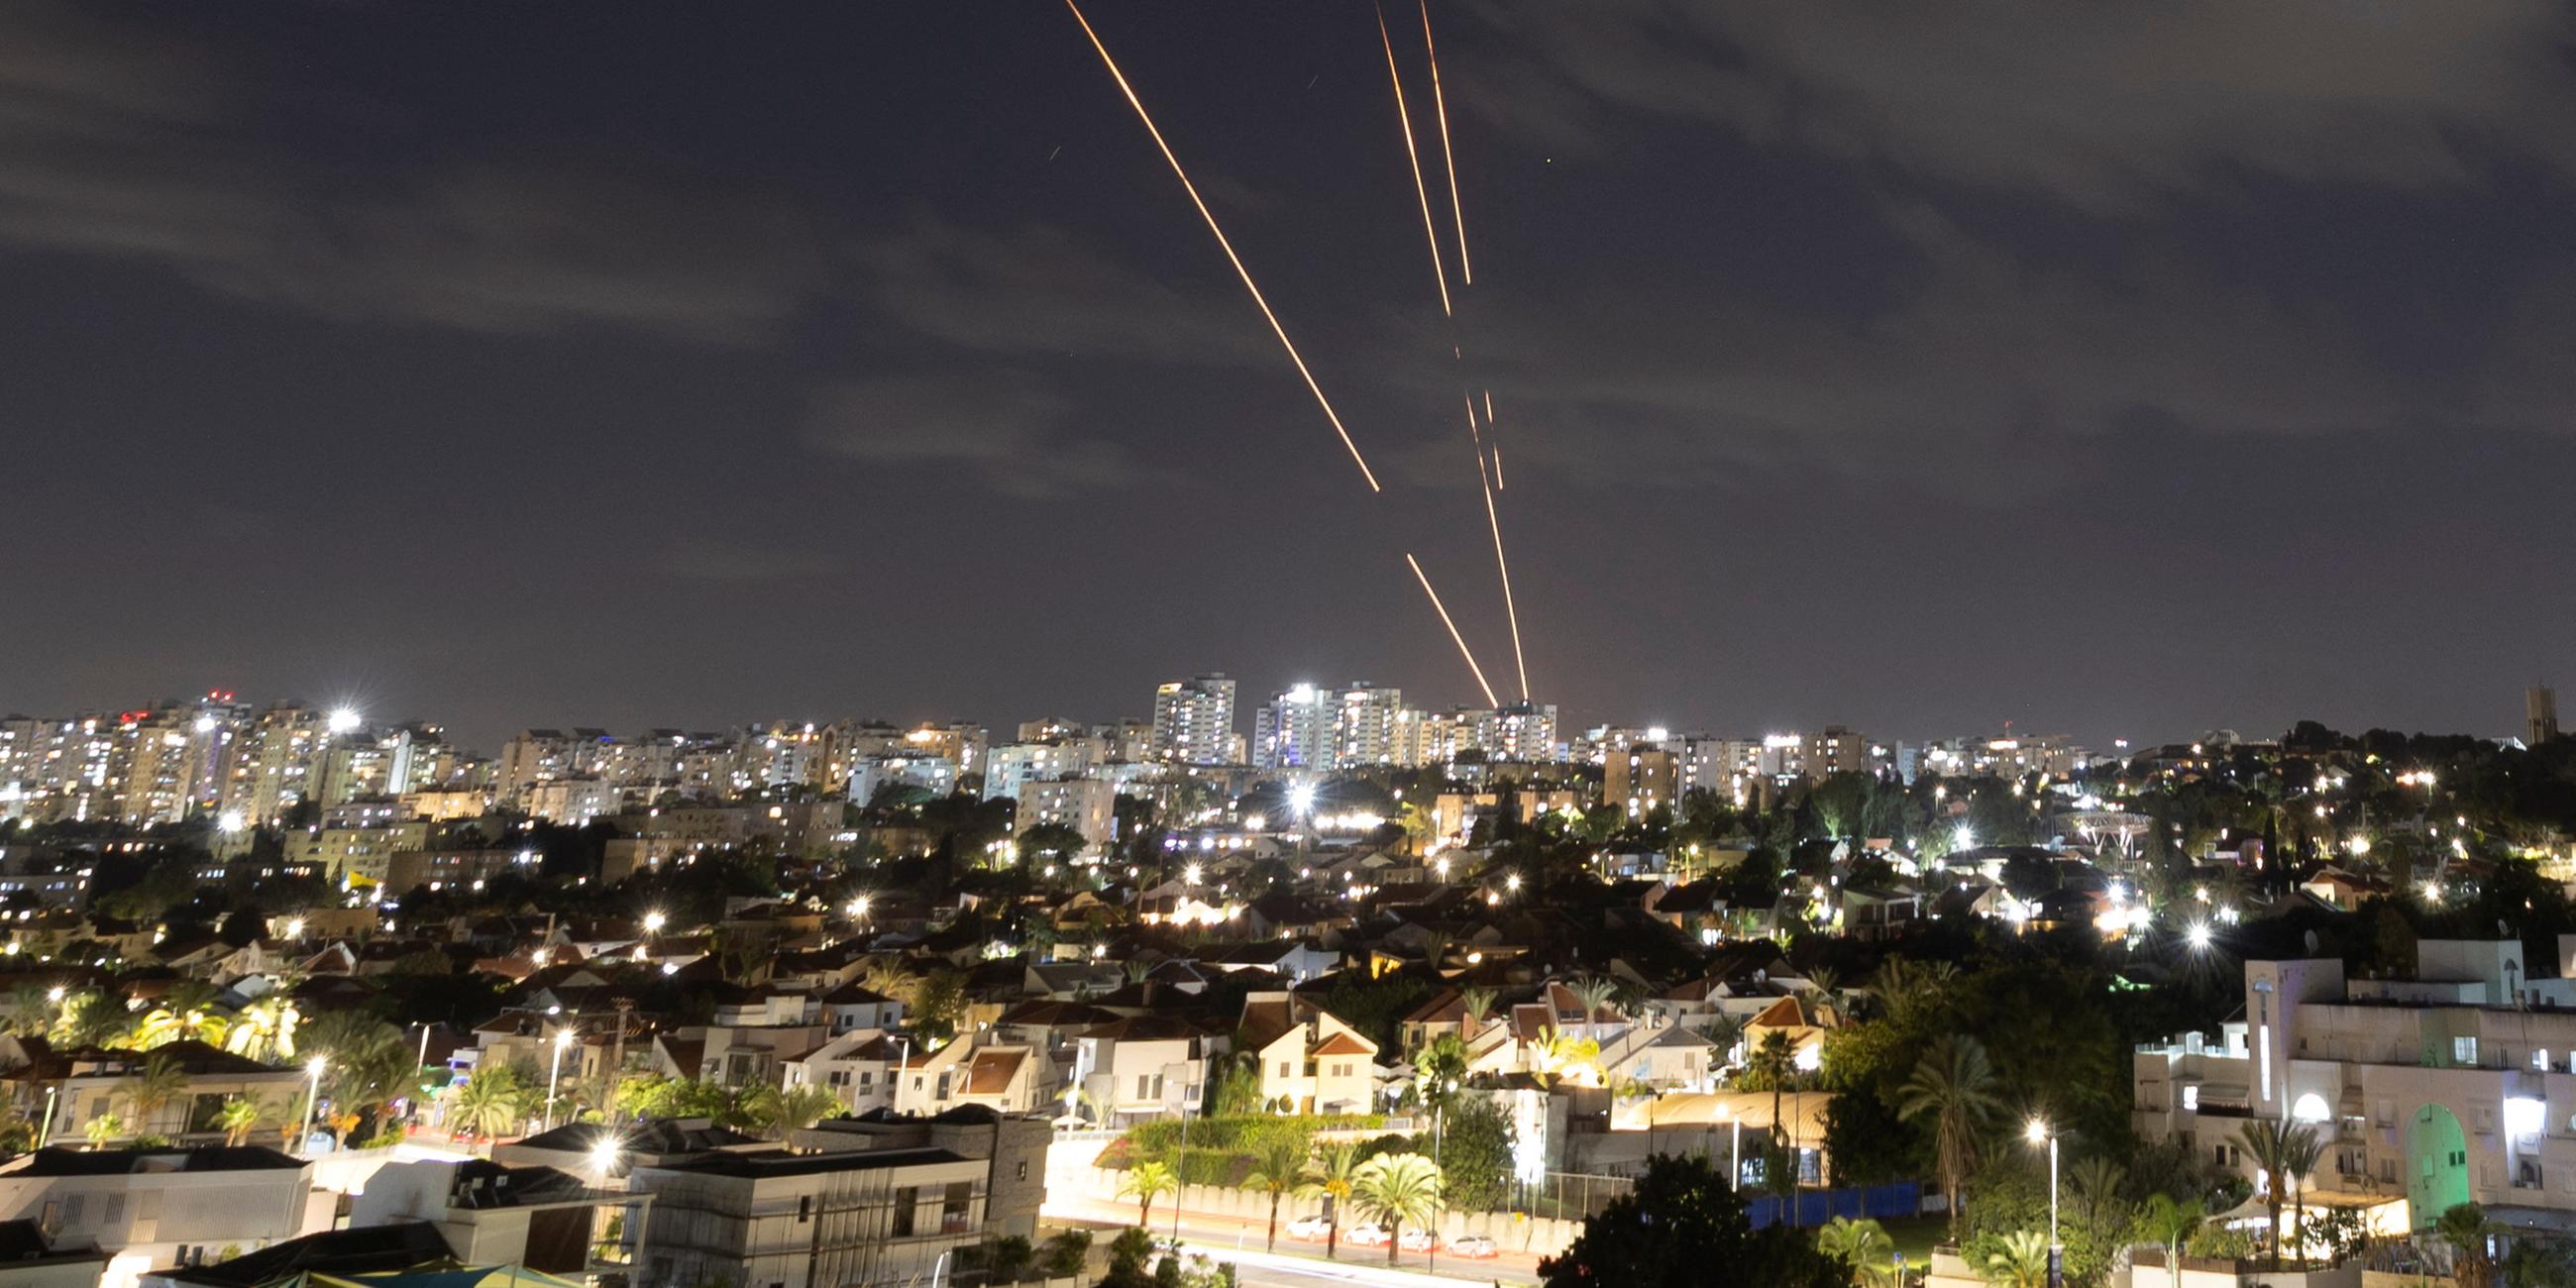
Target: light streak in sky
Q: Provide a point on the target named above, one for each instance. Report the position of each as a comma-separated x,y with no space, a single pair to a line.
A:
1463,650
1421,193
1448,159
1228,246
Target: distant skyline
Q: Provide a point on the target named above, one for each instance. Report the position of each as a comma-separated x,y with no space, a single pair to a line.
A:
2112,372
486,737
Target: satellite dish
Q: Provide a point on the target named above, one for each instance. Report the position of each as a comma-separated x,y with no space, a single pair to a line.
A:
2310,939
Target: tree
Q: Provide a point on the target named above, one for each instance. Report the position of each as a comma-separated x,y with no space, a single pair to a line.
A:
2466,1228
793,1109
368,1062
1862,1245
1146,1182
1438,1070
1476,1156
2275,1148
239,1117
103,1129
264,1030
2022,1261
1276,1162
491,1103
1397,1188
1772,1062
1955,1087
2300,1149
1330,1176
1684,1226
2171,1222
938,1005
153,1087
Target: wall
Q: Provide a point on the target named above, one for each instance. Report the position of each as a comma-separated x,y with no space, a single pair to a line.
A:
1206,1204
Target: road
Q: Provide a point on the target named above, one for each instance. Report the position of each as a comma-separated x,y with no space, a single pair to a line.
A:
1297,1265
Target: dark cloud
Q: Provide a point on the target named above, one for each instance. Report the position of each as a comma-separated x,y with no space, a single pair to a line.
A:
125,143
1003,427
2106,106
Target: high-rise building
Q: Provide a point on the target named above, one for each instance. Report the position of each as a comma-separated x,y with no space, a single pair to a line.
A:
1087,805
1641,779
2540,713
1015,764
1294,730
1356,726
1366,719
1525,731
1194,720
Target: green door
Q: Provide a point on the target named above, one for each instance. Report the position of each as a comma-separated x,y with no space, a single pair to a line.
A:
2437,1165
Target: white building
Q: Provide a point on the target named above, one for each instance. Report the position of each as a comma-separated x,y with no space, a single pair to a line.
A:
2456,1086
1194,721
1014,764
1087,805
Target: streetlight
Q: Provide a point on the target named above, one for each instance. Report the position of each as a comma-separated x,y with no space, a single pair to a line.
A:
653,923
554,1071
2037,1132
1735,1147
859,908
312,1101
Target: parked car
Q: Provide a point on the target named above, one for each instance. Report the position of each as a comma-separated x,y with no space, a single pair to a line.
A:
1312,1229
1367,1235
1475,1246
1415,1241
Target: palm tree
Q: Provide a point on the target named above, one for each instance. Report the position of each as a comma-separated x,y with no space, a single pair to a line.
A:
2465,1227
155,1085
886,977
1396,1188
370,1061
1592,993
239,1117
1825,992
1146,1182
1955,1086
102,1129
2170,1223
1276,1162
31,1011
1556,1053
264,1030
1477,1002
794,1108
2268,1143
488,1104
2096,1181
1862,1245
1331,1176
1772,1061
94,1019
2022,1262
2300,1149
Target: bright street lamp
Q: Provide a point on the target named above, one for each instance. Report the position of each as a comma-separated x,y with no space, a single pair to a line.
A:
554,1071
344,720
312,1101
653,923
2037,1132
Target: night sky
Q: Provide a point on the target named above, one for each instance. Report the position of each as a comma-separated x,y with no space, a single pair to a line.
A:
1913,367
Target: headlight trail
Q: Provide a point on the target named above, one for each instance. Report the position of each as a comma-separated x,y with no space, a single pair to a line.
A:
1228,246
1463,650
1421,193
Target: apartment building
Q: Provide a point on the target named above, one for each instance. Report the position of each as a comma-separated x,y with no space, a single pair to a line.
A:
2457,1085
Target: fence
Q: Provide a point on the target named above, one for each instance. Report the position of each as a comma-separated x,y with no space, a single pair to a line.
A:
1816,1207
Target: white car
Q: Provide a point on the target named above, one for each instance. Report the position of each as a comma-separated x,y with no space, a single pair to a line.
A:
1415,1241
1368,1235
1312,1229
1475,1246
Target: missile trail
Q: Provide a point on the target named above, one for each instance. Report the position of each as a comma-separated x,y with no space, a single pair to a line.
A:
1453,630
1228,246
1448,159
1510,612
1421,193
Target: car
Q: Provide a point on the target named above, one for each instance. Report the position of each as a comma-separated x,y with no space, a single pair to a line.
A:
1369,1235
1475,1246
1312,1229
1415,1241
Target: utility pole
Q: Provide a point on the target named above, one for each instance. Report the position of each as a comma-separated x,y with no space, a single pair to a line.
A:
617,1062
